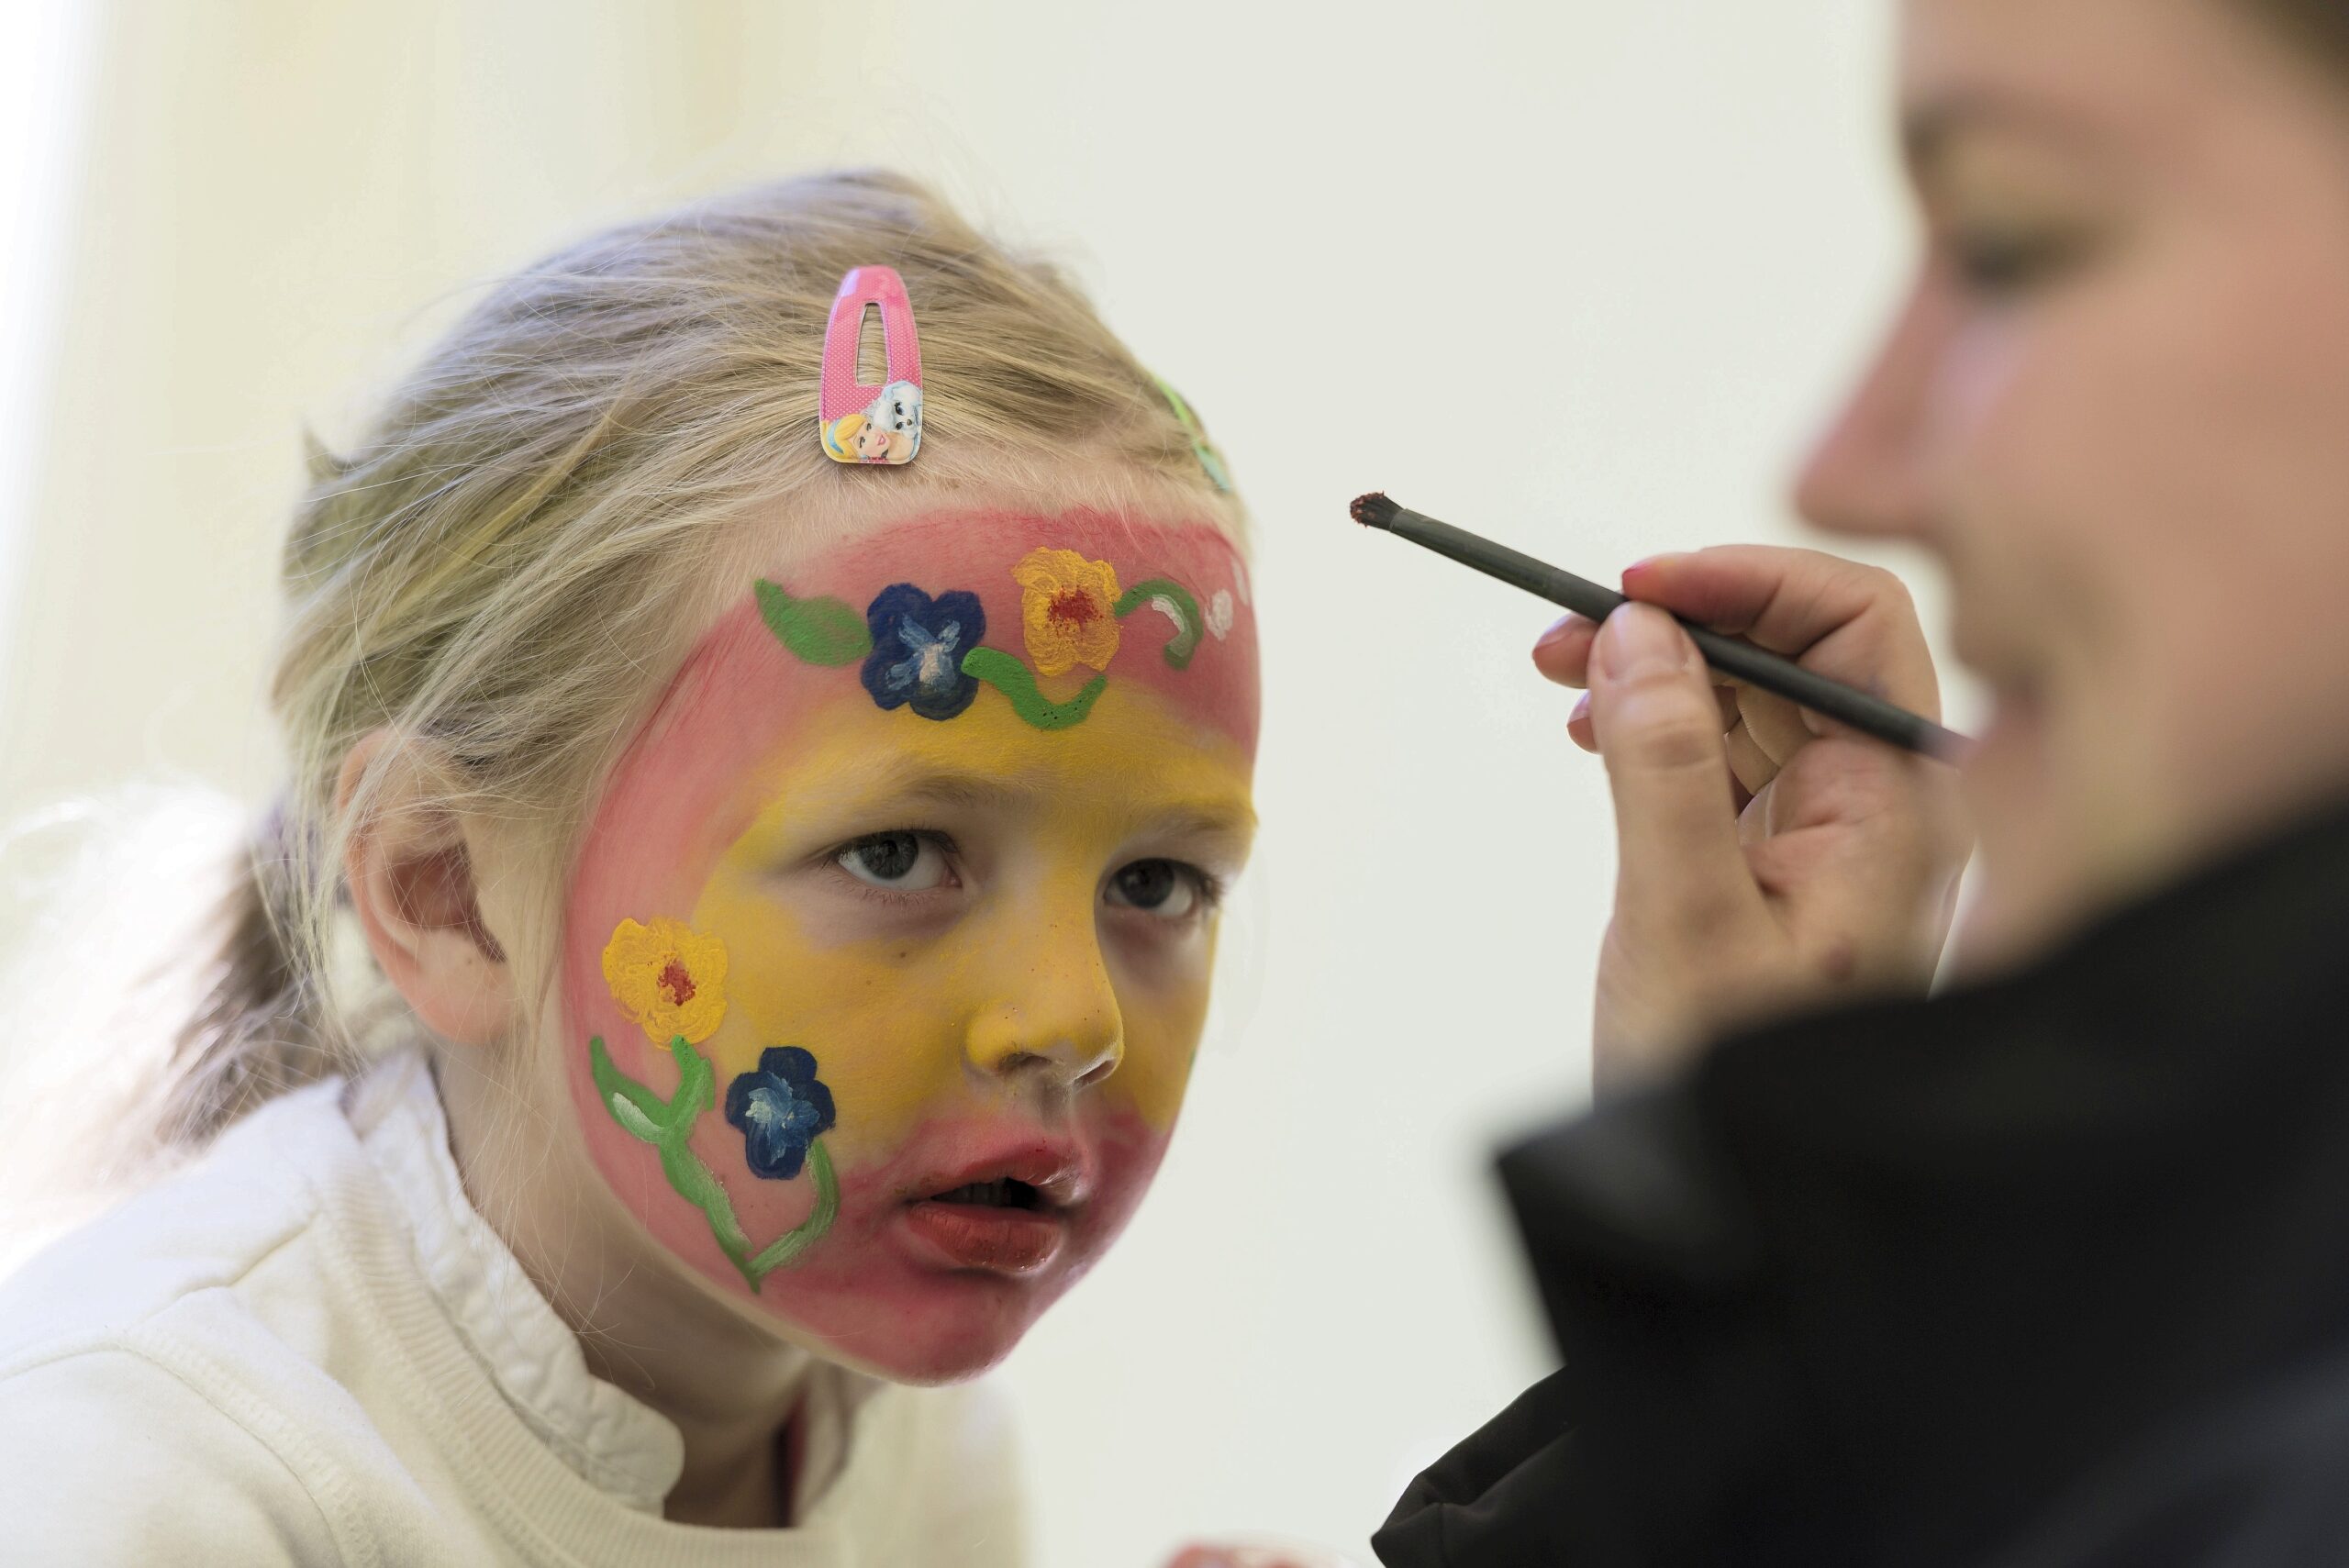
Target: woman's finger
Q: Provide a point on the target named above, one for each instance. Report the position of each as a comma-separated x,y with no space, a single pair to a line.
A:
1579,729
1680,868
1563,653
1844,620
1853,622
1776,724
1753,766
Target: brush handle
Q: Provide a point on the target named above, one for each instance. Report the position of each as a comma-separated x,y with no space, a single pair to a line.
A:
1758,667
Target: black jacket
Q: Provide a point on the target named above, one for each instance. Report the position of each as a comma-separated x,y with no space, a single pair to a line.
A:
2048,1271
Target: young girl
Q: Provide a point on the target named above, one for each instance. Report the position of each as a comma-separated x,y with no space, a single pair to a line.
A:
790,888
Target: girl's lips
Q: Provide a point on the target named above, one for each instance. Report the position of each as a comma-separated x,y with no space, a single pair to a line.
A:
983,1236
1057,1168
958,1214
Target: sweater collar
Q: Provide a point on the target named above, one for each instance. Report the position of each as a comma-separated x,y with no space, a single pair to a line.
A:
612,1439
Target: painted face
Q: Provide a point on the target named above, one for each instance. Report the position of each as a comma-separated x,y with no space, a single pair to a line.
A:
889,950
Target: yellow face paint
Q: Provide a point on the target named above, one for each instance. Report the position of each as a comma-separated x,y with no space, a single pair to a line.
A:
896,1001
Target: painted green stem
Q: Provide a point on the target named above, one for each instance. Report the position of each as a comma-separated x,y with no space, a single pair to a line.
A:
1015,681
668,1125
1185,640
789,1245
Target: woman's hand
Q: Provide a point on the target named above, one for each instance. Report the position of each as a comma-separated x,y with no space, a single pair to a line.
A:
1768,857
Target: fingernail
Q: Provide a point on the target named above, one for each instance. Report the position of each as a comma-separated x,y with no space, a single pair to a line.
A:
1648,563
1640,640
1558,628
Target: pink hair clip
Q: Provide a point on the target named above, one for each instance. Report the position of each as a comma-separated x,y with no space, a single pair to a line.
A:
861,422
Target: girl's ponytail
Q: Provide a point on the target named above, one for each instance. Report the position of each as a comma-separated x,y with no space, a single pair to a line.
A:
257,1030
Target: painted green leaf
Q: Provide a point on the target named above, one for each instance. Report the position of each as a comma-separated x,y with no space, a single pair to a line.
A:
618,1089
818,632
1018,683
631,1118
1180,607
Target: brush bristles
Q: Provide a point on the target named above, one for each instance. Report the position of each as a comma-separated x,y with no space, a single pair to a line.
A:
1374,510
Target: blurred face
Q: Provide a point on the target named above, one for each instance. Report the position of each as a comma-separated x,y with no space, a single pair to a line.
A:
889,950
2116,406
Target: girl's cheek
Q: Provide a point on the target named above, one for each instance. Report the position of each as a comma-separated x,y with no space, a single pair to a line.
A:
1163,1030
889,1019
881,1018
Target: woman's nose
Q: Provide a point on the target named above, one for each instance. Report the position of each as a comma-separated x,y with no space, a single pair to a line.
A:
1869,474
1057,1019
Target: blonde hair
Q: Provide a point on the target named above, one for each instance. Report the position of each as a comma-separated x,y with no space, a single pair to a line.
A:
498,564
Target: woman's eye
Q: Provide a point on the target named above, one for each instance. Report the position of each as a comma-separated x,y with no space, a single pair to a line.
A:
903,862
1998,262
1168,889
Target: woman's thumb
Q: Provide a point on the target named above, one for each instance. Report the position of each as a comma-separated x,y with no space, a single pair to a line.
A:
1659,728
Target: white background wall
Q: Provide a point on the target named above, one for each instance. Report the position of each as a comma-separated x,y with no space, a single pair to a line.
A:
1578,273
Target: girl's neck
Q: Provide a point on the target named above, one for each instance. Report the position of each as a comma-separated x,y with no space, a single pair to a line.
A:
731,1389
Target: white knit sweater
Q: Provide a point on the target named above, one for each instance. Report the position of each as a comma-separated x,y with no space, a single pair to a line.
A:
309,1348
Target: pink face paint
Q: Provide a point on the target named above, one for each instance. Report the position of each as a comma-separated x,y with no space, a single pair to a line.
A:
1075,693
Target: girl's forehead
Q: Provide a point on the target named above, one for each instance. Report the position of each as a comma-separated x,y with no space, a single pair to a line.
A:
977,548
932,615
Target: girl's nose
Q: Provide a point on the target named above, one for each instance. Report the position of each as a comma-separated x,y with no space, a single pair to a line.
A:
1057,1021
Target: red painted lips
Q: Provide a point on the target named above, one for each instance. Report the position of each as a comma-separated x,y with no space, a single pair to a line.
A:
1005,1212
999,1240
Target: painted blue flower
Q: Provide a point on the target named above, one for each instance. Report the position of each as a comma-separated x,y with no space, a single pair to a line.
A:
918,648
780,1109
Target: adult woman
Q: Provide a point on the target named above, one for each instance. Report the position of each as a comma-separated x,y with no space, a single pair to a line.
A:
2045,1270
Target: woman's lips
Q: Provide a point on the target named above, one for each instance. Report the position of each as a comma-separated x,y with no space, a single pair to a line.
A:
2017,716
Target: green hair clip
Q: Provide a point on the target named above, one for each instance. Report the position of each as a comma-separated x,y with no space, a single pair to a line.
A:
1210,460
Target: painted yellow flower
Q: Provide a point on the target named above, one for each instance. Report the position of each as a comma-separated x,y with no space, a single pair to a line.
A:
1068,609
669,978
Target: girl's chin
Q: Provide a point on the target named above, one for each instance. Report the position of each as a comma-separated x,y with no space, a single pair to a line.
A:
925,1297
934,1289
900,1315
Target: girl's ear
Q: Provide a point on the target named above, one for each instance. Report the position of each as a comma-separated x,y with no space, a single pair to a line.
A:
410,870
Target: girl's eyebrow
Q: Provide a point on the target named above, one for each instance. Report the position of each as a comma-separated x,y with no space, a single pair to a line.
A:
1207,819
1230,818
930,786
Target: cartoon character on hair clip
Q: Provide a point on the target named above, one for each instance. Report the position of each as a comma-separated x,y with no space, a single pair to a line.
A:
888,430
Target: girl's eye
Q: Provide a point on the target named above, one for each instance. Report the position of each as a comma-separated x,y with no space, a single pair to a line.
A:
1168,889
902,862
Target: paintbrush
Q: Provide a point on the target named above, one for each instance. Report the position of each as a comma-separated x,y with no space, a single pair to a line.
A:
1756,667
